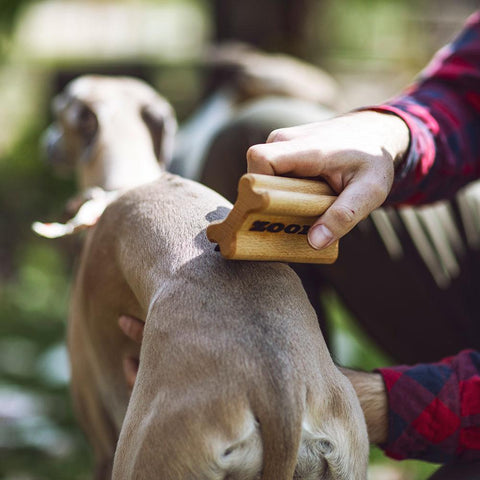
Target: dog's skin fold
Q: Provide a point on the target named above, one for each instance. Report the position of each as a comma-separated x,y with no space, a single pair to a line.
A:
235,380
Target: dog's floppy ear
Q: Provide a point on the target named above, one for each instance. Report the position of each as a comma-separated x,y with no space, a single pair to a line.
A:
160,120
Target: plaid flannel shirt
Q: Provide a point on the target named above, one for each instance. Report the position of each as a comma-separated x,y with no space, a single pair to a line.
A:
434,409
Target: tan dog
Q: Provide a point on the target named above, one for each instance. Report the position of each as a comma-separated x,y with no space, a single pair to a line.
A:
235,380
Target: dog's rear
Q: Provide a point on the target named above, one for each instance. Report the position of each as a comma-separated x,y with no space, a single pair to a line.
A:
235,380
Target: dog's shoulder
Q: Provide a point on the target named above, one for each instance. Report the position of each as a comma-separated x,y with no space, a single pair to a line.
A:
168,216
171,194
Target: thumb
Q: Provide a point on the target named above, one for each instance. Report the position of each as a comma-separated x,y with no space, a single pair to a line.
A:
355,203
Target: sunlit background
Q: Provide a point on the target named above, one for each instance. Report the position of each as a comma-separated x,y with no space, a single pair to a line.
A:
371,47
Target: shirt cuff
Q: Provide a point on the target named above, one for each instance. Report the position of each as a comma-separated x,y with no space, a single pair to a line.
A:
434,409
421,153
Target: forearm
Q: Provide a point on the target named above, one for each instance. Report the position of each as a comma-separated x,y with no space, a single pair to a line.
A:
371,392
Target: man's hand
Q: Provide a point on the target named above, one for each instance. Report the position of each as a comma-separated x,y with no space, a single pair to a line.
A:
133,328
354,153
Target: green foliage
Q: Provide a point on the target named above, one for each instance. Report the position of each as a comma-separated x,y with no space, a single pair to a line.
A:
39,438
9,10
9,13
350,346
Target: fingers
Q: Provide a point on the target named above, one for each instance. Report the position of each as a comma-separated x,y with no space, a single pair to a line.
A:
281,135
291,133
265,158
130,370
362,189
355,203
132,327
256,164
354,153
293,157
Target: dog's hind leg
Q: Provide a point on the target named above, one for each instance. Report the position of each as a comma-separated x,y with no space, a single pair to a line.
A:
92,414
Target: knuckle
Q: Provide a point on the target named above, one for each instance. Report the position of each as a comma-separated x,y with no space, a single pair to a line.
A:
279,135
377,191
256,158
343,215
253,153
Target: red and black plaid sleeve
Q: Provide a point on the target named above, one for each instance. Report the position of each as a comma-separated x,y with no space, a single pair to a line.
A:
442,111
434,409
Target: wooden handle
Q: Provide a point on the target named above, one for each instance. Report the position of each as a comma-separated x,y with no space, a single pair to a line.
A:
271,218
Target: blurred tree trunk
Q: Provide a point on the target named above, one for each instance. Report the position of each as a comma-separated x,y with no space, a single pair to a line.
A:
272,25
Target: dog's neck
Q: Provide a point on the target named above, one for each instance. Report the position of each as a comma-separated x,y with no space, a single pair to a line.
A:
123,166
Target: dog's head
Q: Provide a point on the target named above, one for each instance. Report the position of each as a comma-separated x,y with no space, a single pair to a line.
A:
116,132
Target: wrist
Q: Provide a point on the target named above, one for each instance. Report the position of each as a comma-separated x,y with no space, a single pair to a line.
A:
394,132
398,137
372,395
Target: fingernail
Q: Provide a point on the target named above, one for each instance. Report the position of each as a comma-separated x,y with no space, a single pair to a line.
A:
123,321
320,237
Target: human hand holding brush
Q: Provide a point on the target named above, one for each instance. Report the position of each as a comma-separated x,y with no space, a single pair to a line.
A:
355,153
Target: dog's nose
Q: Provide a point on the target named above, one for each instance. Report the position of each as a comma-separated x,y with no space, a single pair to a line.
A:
51,145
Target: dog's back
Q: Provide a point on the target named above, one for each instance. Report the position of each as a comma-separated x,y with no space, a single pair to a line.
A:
234,378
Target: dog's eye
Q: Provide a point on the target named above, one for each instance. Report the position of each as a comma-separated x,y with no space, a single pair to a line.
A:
87,122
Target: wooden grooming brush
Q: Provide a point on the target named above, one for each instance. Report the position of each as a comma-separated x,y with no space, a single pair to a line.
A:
271,218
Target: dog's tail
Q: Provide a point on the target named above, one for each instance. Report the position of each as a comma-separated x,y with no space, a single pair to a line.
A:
280,421
335,446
